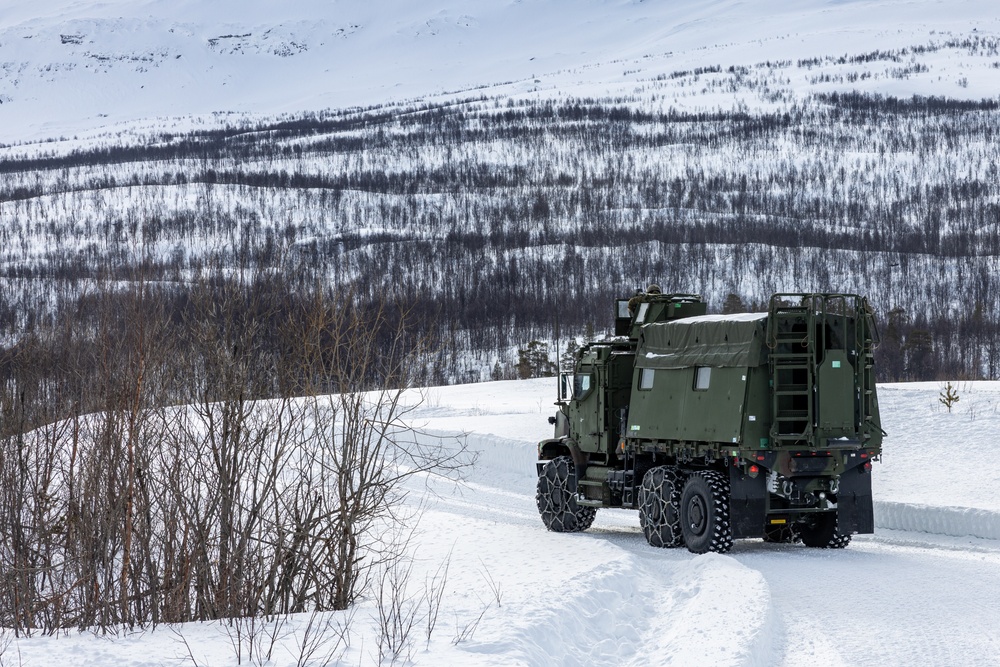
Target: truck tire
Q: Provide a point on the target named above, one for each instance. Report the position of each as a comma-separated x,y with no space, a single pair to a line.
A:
659,506
705,513
556,502
820,532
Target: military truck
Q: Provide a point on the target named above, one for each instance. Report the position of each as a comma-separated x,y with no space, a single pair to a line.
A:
720,427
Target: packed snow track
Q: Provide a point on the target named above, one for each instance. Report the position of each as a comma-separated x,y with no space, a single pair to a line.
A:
924,590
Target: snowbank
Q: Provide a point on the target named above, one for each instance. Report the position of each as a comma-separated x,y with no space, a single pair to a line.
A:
953,521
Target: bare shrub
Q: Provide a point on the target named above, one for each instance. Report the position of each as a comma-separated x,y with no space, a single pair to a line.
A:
396,613
324,640
434,588
243,503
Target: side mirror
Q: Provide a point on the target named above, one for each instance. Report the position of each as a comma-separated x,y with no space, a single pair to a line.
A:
565,387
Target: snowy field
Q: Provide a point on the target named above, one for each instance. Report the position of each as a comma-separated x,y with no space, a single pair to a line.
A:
924,590
69,66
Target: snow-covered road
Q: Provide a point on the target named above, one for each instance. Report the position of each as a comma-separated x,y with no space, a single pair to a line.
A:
895,598
891,599
925,596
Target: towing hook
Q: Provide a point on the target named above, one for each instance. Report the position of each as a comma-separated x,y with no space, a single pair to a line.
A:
552,419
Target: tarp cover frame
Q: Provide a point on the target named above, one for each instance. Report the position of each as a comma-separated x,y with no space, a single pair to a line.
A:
708,340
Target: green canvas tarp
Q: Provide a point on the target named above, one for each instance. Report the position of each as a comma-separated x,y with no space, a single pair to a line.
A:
709,340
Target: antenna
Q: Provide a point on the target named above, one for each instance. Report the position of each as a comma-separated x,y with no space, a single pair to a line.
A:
558,363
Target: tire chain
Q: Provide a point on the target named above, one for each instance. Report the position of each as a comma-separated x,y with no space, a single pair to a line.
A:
654,492
837,540
556,503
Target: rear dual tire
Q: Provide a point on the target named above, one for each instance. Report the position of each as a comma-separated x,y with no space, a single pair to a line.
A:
820,532
705,513
692,510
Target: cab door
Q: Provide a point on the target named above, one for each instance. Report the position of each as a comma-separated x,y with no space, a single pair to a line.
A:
586,408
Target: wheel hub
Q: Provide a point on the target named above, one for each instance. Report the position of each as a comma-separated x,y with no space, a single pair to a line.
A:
697,515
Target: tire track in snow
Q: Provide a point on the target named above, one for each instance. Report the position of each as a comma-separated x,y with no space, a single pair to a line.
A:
634,610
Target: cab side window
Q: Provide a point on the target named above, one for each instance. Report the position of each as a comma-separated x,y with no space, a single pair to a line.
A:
643,310
646,378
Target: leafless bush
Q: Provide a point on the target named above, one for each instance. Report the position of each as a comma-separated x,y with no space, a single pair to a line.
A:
363,449
434,588
254,637
396,613
493,584
235,505
6,639
465,631
324,639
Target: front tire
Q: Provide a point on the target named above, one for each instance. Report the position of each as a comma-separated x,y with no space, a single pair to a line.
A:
659,506
556,502
705,513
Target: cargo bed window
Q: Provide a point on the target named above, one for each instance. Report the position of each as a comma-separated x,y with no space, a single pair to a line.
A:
646,378
702,376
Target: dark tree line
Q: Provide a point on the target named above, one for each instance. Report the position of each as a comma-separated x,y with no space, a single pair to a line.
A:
489,222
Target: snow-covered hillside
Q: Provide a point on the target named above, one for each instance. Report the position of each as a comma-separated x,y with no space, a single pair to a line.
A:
921,591
543,157
68,66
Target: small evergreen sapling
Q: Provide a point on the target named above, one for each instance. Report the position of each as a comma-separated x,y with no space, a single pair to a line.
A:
949,396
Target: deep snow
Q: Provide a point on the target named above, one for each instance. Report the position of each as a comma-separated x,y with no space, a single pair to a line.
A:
921,591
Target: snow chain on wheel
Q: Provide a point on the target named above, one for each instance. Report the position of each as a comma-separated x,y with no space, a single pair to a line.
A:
659,506
556,503
783,534
821,533
705,513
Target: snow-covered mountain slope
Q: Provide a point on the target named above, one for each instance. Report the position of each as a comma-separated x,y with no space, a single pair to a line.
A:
67,66
516,594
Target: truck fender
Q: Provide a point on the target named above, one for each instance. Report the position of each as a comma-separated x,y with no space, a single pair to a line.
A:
549,449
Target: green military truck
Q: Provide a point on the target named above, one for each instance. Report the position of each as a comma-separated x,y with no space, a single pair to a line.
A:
720,427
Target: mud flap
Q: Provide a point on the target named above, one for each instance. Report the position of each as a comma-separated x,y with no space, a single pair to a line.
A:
855,513
747,504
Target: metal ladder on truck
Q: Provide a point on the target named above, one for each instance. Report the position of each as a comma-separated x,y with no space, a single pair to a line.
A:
798,336
792,361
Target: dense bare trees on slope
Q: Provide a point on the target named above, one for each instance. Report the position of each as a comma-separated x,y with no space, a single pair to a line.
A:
201,467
